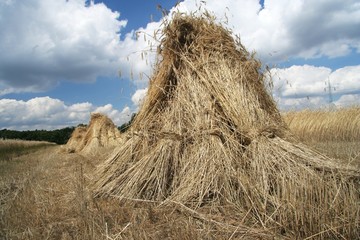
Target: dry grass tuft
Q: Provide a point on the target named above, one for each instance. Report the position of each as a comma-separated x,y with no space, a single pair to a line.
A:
322,125
101,133
209,136
10,148
6,143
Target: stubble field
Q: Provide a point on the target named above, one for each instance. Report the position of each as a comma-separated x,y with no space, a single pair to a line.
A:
46,193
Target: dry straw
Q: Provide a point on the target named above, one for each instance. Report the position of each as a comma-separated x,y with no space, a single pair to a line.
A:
209,134
101,133
322,125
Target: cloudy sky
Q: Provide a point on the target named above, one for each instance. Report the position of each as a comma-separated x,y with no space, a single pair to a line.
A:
62,59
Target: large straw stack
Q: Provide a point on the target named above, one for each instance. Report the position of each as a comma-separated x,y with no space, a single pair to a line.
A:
101,133
209,133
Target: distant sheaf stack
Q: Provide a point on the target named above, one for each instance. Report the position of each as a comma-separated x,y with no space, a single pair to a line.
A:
100,133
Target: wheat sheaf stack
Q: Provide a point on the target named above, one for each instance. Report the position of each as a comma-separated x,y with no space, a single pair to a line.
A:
100,133
209,134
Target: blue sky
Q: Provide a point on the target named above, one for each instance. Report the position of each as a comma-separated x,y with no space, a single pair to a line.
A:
61,60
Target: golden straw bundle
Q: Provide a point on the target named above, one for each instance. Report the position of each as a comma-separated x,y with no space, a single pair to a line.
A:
209,134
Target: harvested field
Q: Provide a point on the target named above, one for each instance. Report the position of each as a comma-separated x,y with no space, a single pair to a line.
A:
36,205
47,196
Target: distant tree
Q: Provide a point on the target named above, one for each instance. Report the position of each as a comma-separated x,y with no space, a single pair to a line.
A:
123,128
58,136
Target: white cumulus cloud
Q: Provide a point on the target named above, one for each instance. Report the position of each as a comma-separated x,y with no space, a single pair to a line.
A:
278,31
44,42
284,29
139,53
139,96
346,80
300,81
118,117
49,113
293,104
313,87
348,100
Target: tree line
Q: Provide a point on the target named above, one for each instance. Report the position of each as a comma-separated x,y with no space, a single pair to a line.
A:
123,128
58,136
